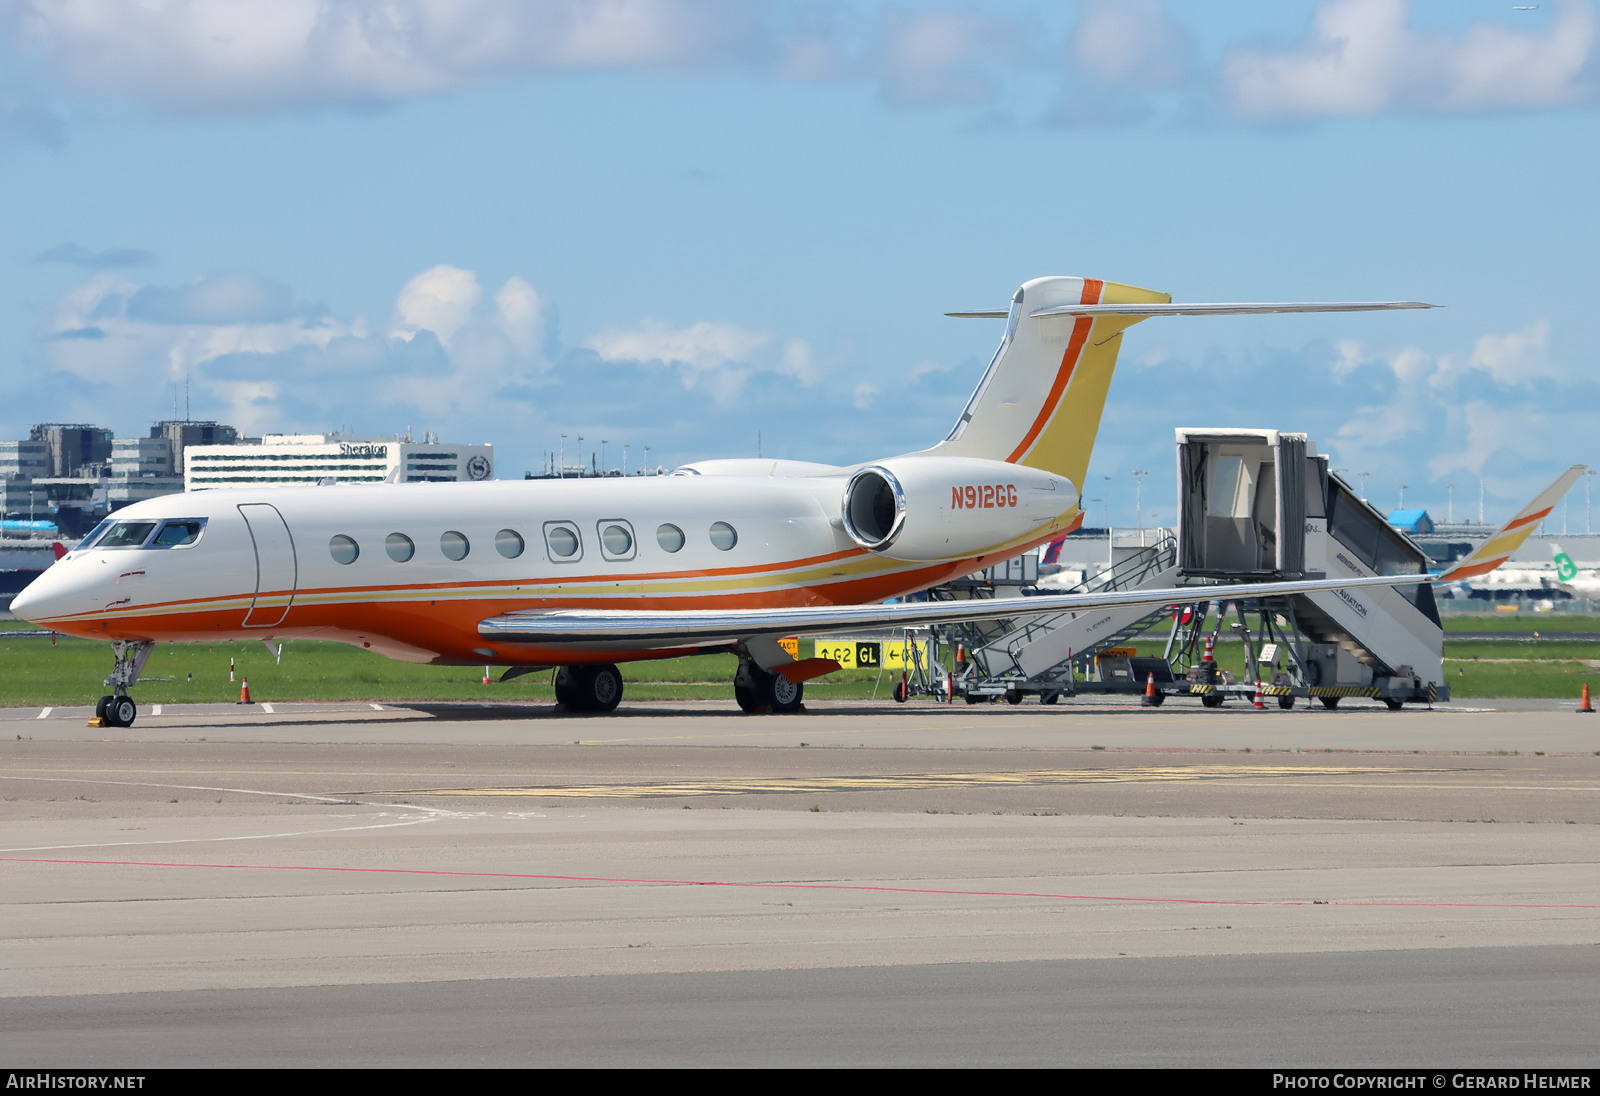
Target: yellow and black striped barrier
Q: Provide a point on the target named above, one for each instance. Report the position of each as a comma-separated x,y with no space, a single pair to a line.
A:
1344,690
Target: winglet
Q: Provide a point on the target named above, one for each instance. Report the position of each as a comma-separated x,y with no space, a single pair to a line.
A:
1498,548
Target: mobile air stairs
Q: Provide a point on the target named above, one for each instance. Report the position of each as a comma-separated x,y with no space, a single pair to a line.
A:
1254,505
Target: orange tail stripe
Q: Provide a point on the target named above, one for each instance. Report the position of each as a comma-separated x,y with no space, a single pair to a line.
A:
1540,516
1069,361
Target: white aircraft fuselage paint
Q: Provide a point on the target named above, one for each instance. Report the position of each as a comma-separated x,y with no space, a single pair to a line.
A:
248,580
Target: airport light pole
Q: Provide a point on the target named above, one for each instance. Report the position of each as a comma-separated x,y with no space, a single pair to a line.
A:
1450,509
647,460
561,461
1106,494
580,456
602,456
624,461
1138,500
1588,482
1363,476
1402,505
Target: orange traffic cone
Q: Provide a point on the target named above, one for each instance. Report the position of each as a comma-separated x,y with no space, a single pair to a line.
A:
1258,694
1586,706
244,691
1149,700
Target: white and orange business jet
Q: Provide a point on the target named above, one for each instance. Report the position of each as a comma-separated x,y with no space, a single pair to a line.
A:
582,574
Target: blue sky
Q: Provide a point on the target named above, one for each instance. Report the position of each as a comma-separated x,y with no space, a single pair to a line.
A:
704,226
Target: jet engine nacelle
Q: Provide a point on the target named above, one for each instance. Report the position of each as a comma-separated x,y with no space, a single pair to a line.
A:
930,508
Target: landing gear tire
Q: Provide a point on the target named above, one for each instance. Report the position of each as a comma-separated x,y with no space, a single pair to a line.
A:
1212,700
565,692
902,692
1286,702
784,695
100,708
1329,702
121,711
1393,703
749,698
590,688
758,692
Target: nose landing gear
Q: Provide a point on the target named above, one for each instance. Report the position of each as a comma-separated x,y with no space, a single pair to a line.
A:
118,709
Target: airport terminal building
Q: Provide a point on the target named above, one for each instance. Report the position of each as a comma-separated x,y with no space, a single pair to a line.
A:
285,460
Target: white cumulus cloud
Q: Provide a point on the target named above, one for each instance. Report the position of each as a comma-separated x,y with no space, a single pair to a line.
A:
441,299
229,56
1131,42
1363,57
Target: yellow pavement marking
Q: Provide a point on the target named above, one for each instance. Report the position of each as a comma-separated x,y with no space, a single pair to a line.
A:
914,781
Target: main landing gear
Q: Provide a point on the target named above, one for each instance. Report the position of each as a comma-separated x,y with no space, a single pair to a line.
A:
118,709
589,688
758,691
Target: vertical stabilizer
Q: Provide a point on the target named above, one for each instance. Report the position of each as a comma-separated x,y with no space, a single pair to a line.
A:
1039,403
1509,537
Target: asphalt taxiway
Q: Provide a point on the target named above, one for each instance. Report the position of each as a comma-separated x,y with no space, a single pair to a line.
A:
678,883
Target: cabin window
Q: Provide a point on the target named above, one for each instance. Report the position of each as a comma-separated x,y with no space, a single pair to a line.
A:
616,539
562,538
343,549
177,534
670,537
454,545
399,547
724,536
508,542
126,534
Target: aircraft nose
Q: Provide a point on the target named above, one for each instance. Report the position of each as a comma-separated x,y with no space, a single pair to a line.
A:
28,604
56,593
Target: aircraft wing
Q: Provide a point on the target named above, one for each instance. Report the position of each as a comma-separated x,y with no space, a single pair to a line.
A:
645,629
648,629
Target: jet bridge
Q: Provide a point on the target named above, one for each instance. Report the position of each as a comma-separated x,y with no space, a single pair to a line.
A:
1254,505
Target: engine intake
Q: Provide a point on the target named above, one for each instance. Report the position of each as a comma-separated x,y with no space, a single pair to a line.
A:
932,508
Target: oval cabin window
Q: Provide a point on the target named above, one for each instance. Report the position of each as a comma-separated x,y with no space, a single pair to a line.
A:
508,542
563,541
454,545
399,547
343,549
617,539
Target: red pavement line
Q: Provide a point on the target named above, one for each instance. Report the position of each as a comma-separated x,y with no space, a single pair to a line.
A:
809,886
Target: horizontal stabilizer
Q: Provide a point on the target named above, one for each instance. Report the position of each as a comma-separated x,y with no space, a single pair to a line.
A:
1498,548
1244,309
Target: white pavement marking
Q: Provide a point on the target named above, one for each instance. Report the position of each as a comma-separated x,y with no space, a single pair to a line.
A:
375,707
44,713
267,708
155,709
425,814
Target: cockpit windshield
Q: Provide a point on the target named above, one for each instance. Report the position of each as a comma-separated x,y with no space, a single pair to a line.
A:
126,534
94,534
175,534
